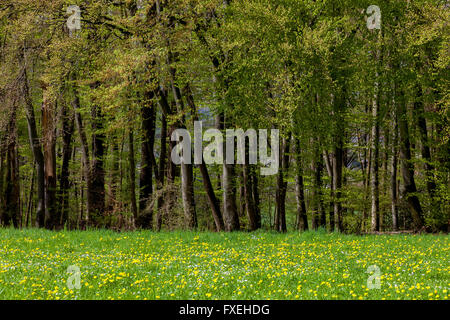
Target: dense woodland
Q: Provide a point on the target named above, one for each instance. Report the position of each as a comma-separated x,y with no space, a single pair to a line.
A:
87,114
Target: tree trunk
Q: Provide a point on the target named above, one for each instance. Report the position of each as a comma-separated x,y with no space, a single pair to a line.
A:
12,190
28,222
407,167
132,175
302,218
67,132
394,194
212,199
37,152
329,165
187,183
49,143
187,175
97,173
425,144
3,152
280,218
337,184
318,218
230,214
255,194
375,192
249,203
162,169
84,160
148,114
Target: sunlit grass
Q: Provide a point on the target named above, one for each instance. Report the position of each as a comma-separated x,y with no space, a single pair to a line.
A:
184,265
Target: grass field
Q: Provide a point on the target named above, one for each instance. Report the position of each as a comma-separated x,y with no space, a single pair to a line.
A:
183,265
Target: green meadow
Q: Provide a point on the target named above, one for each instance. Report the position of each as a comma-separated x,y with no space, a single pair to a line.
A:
34,264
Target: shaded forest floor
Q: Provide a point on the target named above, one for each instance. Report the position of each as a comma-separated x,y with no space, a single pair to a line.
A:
186,265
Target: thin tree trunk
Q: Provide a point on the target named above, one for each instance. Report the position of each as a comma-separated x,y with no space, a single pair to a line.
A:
12,192
3,140
329,164
280,218
112,179
84,160
394,194
212,199
255,194
318,218
249,203
132,174
162,169
375,192
187,175
337,185
302,218
30,198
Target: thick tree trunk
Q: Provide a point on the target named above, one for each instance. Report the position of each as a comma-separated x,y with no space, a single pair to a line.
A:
230,214
187,191
63,195
407,167
148,114
212,199
49,143
425,144
97,172
37,152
